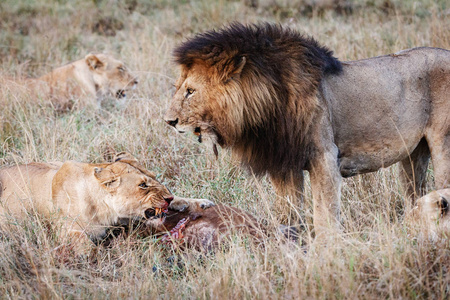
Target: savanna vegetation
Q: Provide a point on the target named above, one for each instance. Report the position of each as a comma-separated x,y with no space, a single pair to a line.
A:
377,256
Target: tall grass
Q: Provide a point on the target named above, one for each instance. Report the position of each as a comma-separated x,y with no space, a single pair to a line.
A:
377,256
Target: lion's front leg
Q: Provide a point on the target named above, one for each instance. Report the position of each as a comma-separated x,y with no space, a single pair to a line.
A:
326,189
193,205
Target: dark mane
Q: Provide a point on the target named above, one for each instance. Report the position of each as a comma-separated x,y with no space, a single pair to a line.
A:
283,65
255,40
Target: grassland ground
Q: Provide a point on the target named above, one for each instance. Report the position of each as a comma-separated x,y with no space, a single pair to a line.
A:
377,256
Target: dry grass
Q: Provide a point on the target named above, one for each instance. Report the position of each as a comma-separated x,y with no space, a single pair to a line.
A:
376,257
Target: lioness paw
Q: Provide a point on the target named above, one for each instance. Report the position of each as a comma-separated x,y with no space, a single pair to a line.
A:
198,205
181,204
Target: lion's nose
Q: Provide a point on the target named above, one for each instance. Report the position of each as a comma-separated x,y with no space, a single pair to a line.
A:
168,199
172,122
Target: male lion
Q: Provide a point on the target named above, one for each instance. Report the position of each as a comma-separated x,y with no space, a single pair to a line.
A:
86,198
284,104
94,77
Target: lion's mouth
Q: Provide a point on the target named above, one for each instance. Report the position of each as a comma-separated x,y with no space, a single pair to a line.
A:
121,94
198,132
155,213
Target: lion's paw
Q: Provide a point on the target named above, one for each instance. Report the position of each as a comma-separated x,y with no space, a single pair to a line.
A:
205,203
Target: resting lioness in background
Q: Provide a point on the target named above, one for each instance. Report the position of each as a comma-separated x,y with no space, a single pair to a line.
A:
88,80
86,199
432,214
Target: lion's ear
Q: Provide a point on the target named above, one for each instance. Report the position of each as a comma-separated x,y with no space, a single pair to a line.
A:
124,156
239,66
107,178
93,61
127,158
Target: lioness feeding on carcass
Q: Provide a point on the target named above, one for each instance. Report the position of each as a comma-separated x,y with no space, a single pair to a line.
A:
84,200
283,104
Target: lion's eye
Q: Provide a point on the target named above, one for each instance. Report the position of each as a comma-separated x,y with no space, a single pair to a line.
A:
189,92
143,185
121,69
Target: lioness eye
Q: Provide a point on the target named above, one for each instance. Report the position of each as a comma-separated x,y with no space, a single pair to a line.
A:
143,185
121,69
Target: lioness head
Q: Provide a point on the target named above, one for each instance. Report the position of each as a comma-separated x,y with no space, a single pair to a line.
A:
433,213
135,191
110,75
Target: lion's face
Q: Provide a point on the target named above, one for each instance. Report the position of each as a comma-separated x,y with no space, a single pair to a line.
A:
110,75
190,109
135,191
206,105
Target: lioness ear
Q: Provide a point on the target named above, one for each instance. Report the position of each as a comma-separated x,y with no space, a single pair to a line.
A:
107,178
443,206
127,158
93,61
236,73
124,156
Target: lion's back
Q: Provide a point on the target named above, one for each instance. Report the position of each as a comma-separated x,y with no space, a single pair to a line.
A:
401,93
27,186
